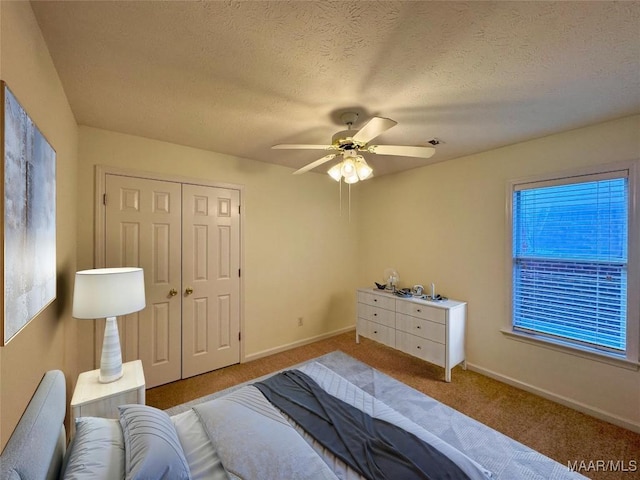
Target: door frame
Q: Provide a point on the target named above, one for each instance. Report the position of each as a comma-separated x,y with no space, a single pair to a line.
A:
100,218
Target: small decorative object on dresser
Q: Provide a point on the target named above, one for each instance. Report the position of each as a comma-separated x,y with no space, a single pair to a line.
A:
432,331
91,398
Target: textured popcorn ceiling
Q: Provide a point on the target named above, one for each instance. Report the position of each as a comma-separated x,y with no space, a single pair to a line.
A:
238,77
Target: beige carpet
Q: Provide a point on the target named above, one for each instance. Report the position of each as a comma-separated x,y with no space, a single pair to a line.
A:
552,429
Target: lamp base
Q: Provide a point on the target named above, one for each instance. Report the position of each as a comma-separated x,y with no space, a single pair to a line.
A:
106,379
111,358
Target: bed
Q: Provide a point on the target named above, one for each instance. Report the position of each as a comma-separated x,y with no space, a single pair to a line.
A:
239,434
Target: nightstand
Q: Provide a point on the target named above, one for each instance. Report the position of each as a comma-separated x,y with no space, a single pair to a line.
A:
94,399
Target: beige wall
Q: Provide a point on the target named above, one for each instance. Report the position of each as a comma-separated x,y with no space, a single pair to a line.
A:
299,255
49,341
445,223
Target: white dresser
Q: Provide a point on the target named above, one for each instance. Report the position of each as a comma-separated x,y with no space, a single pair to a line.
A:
432,331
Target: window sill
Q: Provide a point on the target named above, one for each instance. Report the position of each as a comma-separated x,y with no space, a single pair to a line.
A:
563,347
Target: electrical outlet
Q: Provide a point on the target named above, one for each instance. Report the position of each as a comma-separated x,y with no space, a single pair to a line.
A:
300,321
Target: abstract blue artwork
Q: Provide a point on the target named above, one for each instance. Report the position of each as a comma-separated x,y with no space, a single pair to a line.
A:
29,218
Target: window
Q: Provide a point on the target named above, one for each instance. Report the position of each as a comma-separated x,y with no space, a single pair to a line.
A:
570,256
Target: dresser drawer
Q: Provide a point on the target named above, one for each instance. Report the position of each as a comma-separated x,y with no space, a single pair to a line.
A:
377,300
377,314
422,328
421,347
376,331
422,311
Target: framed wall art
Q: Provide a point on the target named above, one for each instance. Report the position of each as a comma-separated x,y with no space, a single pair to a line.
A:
29,218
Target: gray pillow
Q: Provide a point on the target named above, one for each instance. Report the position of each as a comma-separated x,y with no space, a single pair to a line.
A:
152,448
96,452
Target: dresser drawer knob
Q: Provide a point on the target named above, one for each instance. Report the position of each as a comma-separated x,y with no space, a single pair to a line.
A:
419,310
375,331
418,327
375,314
375,299
419,347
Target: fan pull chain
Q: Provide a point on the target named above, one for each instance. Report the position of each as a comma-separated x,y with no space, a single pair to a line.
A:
349,203
340,190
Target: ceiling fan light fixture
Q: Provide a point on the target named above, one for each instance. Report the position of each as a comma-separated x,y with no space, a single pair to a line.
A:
353,178
335,172
348,167
363,169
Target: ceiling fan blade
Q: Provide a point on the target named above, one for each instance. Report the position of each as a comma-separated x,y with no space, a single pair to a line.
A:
315,164
296,146
402,150
373,128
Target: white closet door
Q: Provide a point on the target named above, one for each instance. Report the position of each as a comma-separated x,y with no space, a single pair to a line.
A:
143,229
211,279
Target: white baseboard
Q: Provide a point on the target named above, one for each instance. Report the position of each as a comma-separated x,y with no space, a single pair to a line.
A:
298,343
567,402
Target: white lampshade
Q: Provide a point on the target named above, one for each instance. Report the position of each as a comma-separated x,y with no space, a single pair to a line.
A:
348,167
352,178
335,172
109,292
363,169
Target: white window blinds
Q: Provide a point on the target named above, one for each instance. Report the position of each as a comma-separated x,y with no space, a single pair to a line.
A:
570,260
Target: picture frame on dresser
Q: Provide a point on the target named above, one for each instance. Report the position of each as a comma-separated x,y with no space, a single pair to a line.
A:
431,330
29,218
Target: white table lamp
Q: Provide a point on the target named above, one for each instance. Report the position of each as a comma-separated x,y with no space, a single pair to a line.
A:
108,293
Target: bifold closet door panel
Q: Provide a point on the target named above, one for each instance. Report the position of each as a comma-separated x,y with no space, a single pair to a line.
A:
210,278
143,229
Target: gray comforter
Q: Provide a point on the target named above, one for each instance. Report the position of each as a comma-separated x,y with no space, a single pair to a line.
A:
244,421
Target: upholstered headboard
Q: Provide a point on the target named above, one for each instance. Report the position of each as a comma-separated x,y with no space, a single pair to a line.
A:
37,446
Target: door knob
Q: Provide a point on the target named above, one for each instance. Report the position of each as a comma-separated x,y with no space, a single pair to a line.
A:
173,292
188,291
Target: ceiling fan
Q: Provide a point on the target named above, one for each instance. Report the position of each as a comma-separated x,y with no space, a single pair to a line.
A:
350,143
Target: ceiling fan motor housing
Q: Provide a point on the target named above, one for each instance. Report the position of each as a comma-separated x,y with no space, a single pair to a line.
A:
344,140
